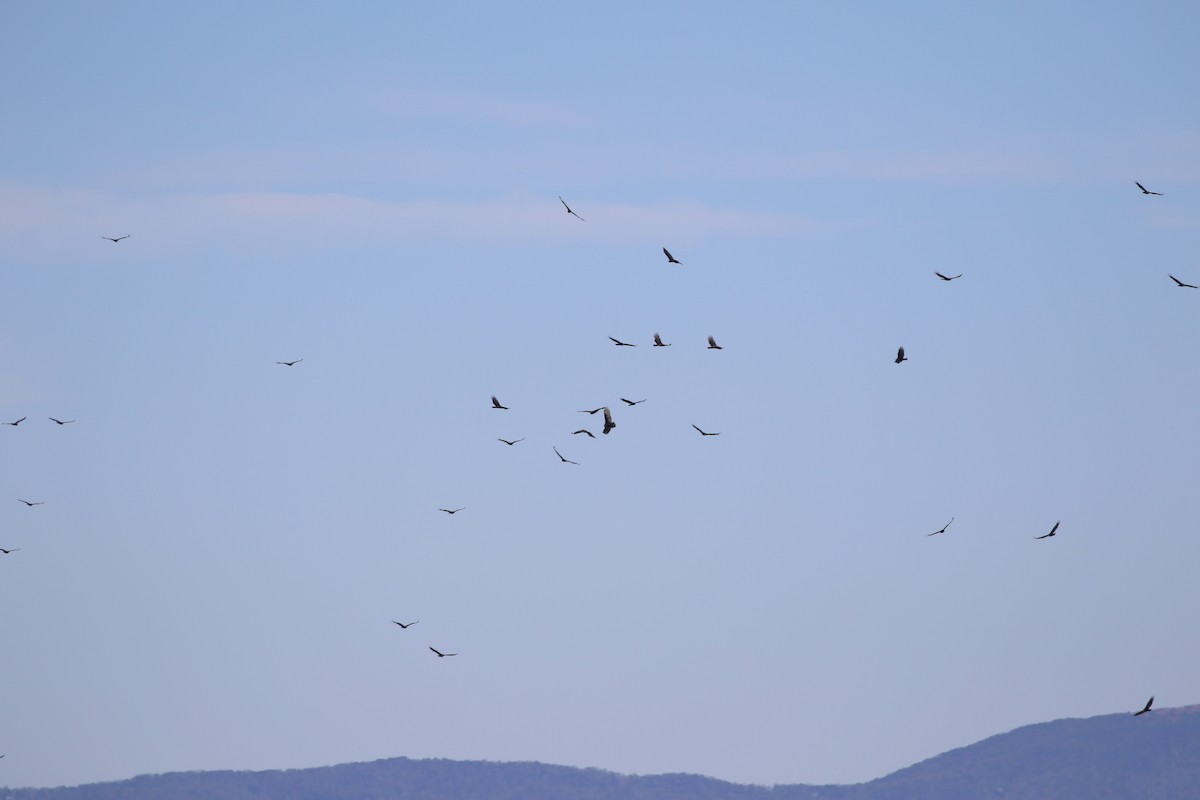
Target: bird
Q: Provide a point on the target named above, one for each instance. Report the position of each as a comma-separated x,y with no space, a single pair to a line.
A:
948,278
569,211
26,502
566,460
632,402
496,403
593,411
619,343
1149,703
512,441
290,363
584,430
6,552
440,654
900,355
670,258
704,433
448,511
1181,284
658,342
1145,190
119,238
15,424
61,421
712,344
407,624
1051,533
608,422
943,530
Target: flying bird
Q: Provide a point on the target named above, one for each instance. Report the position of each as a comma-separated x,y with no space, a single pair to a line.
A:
448,511
1053,531
511,442
15,549
567,460
1149,703
61,421
15,424
943,530
119,238
1181,284
712,344
608,423
948,277
440,654
704,433
290,363
658,342
632,402
670,258
584,430
619,343
569,211
593,411
900,355
26,502
496,403
407,624
1145,190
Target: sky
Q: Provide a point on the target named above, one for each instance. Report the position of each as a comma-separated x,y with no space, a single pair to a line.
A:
224,542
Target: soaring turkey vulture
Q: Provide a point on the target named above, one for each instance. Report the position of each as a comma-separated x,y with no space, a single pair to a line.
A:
1145,190
712,344
1149,703
6,552
511,442
407,624
15,424
584,430
1181,284
608,423
632,402
119,238
569,211
31,505
619,343
61,421
1053,531
705,433
290,363
658,342
900,355
440,654
948,278
670,258
449,511
943,530
592,411
567,460
496,403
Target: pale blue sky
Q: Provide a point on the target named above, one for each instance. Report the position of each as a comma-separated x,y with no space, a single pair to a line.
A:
373,188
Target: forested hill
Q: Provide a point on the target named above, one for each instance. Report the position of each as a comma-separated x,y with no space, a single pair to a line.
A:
1114,757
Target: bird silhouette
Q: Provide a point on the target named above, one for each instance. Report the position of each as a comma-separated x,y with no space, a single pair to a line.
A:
948,278
1149,703
119,238
1181,284
407,624
569,211
592,411
26,502
619,343
440,654
608,421
705,433
900,355
658,342
712,344
1145,190
6,552
564,459
943,530
584,430
61,421
632,402
511,442
290,363
670,258
1053,531
496,403
448,511
15,424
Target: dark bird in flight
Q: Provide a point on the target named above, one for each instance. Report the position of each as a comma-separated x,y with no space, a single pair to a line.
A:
496,403
608,423
584,430
119,238
712,344
658,342
511,442
290,363
448,511
619,343
670,258
407,624
1053,531
567,460
569,211
1145,190
440,654
15,424
900,355
61,421
949,277
704,433
593,411
26,502
1181,284
15,549
632,402
943,530
1149,703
